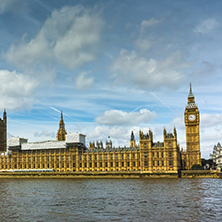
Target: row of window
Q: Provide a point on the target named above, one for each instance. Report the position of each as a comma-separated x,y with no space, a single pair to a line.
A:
100,156
85,157
158,154
48,151
158,163
74,165
117,164
111,156
26,159
192,129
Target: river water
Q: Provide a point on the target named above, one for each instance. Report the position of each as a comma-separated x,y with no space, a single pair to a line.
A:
110,200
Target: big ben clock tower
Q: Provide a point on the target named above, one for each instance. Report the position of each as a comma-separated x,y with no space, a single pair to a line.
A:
191,118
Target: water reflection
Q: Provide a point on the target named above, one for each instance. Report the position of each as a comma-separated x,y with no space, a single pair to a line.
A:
110,200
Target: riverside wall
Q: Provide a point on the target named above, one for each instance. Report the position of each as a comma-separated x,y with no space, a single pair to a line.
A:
113,175
200,174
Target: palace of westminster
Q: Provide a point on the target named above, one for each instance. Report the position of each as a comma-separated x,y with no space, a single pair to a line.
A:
70,154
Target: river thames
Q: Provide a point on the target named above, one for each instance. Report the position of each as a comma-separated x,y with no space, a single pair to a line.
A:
110,200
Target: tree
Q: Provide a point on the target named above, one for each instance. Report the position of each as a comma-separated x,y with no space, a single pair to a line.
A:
208,162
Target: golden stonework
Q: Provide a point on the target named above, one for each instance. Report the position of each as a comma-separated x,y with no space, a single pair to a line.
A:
192,121
70,154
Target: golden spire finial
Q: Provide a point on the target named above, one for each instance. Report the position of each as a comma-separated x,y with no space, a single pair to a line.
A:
190,93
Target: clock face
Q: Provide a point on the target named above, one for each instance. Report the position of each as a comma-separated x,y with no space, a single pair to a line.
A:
191,117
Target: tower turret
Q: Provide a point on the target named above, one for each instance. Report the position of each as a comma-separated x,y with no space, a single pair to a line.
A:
4,115
132,140
175,132
3,132
164,133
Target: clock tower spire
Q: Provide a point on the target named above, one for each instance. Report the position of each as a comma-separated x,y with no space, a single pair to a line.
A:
192,121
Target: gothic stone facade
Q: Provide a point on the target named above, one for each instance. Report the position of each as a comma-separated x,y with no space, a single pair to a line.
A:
74,156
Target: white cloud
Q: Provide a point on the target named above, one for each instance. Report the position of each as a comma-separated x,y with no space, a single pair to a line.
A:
209,136
208,120
13,6
178,122
149,73
118,117
205,68
150,22
69,37
84,82
120,135
16,90
207,26
144,44
45,133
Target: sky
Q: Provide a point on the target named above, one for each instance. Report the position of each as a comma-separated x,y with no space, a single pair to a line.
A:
112,67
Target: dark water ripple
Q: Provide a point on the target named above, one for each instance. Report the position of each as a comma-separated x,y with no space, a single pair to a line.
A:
110,200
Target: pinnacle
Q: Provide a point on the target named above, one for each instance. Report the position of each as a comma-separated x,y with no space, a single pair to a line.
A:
190,93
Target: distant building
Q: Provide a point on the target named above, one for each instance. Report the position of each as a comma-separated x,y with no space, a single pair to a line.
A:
216,157
3,133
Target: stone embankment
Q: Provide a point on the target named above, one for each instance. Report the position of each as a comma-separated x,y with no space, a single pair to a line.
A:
200,174
113,175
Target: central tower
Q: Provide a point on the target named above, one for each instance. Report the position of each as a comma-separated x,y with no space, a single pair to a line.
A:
192,121
61,134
